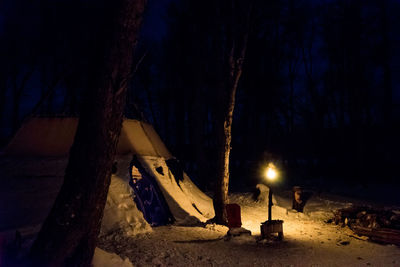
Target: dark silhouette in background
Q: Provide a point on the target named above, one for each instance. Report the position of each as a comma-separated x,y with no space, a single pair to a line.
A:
319,90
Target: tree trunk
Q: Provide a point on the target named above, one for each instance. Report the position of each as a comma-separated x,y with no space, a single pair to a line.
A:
224,148
224,132
69,234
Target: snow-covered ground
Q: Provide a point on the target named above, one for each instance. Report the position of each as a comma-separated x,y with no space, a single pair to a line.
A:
308,241
126,240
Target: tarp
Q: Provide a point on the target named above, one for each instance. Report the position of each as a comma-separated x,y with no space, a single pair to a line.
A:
148,197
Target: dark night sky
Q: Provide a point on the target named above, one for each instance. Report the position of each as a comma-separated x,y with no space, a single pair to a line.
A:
179,74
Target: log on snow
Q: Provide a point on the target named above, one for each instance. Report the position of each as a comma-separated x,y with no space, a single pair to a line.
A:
384,235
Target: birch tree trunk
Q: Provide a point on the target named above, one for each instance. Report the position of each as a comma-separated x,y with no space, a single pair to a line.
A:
69,234
224,147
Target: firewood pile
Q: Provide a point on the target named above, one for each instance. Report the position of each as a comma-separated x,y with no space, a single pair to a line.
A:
381,226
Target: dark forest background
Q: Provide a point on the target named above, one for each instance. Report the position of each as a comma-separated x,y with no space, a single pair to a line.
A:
319,93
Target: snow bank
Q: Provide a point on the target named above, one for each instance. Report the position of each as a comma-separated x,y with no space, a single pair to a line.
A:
188,204
263,196
102,258
120,211
44,176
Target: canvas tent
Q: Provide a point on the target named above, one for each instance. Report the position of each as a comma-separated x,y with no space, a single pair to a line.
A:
53,137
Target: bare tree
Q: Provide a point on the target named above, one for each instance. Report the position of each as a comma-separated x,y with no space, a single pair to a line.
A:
237,36
69,234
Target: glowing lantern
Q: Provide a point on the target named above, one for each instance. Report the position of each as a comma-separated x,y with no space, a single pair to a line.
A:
271,226
271,172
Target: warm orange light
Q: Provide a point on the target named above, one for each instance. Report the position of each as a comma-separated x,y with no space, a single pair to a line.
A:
271,172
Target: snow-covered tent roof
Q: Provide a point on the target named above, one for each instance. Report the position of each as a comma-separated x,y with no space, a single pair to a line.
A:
40,138
54,137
